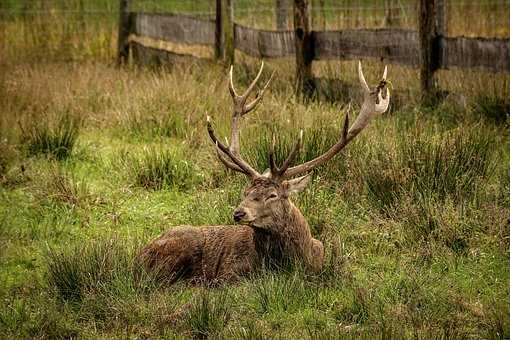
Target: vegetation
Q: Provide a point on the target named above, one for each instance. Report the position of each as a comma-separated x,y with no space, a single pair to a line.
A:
56,141
95,161
158,169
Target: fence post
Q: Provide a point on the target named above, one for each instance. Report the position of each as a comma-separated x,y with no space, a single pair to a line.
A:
124,31
218,32
304,49
431,27
227,17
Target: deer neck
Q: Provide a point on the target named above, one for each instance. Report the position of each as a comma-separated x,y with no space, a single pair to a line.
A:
287,238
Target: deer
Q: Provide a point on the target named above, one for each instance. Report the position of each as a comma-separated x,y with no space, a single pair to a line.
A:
271,229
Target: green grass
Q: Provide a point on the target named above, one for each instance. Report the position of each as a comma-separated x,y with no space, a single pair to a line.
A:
104,266
157,168
169,125
452,164
208,313
55,139
413,214
494,109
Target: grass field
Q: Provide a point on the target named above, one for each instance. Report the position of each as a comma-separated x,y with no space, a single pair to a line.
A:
95,161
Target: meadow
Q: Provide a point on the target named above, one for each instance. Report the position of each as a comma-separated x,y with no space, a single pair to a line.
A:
97,160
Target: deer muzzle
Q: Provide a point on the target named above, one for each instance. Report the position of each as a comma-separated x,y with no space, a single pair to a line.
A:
239,215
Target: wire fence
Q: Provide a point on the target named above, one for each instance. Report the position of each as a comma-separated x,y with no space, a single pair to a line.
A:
74,29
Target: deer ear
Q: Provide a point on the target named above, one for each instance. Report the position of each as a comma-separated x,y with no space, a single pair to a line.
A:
297,184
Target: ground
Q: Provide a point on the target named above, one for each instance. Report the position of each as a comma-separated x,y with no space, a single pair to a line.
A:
96,160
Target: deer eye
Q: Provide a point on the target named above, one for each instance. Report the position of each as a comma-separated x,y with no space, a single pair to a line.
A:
271,196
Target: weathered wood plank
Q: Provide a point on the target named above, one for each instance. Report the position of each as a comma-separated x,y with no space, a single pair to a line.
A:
150,56
264,44
176,28
482,53
397,46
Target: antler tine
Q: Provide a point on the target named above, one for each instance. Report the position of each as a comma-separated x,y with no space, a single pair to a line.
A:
226,162
253,83
383,103
272,163
293,154
345,129
231,88
241,165
362,80
310,165
240,107
369,109
258,97
276,172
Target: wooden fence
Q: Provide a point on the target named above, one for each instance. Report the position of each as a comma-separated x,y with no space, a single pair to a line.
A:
427,48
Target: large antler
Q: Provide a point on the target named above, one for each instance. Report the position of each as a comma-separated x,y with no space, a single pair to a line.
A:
374,104
240,108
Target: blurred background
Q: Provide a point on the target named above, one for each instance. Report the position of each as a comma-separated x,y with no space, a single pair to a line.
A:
79,29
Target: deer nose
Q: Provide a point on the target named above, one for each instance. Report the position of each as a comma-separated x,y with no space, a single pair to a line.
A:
238,215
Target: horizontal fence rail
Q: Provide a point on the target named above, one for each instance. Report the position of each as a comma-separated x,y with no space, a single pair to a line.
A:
156,56
483,53
427,48
264,44
173,27
397,46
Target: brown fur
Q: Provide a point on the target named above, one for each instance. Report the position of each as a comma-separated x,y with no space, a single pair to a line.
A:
276,233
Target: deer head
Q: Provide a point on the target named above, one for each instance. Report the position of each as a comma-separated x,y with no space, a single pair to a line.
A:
266,203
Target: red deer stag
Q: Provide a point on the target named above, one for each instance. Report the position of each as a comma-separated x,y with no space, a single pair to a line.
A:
273,230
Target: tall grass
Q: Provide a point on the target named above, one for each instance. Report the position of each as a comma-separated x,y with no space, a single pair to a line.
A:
208,313
158,168
98,266
413,215
453,164
493,109
53,138
10,174
284,292
169,125
61,187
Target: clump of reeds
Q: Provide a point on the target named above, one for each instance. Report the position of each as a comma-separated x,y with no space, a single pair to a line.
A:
53,138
